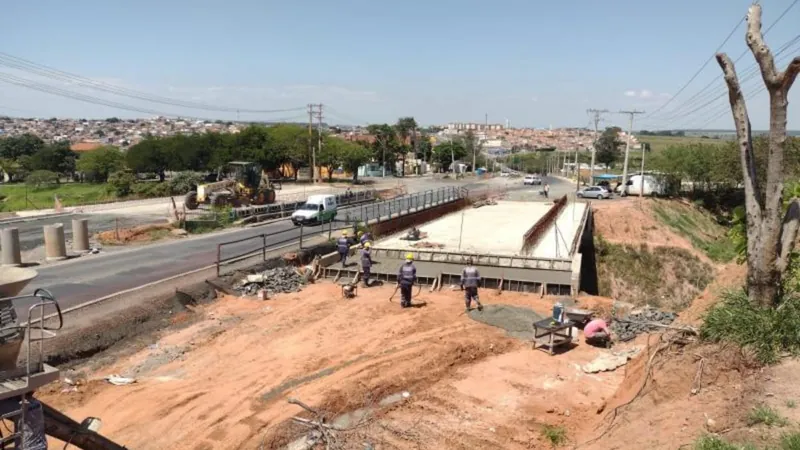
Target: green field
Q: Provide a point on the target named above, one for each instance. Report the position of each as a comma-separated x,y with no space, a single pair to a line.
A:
658,143
70,194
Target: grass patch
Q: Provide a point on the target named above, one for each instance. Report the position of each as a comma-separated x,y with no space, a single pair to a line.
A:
764,415
664,277
70,194
791,404
714,443
556,435
210,221
700,228
790,441
767,332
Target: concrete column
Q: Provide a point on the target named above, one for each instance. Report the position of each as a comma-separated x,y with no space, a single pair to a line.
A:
80,235
9,241
54,243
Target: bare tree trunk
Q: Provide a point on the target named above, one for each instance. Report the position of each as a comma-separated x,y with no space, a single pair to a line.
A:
770,238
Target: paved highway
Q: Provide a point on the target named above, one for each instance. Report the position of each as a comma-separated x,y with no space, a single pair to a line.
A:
90,277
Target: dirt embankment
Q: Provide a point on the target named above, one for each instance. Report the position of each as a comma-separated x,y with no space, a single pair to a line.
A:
657,252
223,381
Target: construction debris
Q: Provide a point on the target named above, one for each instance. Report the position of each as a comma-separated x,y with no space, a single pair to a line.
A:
488,202
273,281
642,321
610,361
414,234
427,245
117,380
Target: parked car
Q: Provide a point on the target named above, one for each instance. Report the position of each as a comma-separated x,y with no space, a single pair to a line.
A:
532,180
597,192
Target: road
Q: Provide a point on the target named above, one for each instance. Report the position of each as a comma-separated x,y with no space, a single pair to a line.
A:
93,276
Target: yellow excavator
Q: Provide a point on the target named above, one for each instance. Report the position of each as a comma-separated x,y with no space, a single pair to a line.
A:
243,184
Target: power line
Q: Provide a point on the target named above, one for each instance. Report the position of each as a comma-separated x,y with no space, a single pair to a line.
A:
29,84
720,77
596,117
704,95
710,58
631,113
49,72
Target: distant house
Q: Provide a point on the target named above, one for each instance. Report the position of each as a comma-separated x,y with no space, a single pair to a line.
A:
83,147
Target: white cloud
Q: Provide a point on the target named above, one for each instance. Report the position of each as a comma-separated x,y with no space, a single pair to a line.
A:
534,99
630,94
644,93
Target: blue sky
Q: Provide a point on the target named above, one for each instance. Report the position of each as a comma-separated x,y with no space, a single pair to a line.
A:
532,62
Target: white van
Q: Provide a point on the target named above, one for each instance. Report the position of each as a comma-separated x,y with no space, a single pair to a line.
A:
317,209
652,186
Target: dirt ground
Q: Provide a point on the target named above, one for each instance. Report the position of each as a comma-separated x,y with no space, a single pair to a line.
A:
223,382
138,234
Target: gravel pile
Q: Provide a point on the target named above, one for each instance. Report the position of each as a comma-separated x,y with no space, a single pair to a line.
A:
638,322
274,281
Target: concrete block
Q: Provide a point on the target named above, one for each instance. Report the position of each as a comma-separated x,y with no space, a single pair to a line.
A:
9,241
54,242
439,257
80,235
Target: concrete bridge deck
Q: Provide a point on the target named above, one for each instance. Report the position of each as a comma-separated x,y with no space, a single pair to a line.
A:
494,236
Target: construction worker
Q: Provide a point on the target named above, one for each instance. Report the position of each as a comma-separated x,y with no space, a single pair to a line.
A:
406,277
364,237
366,262
343,247
470,277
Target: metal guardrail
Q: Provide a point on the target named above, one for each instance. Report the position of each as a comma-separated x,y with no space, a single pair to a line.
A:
393,209
287,208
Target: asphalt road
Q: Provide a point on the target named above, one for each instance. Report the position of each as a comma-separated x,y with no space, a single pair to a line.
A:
93,276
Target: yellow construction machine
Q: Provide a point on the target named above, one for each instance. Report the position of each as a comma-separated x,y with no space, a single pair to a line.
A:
242,184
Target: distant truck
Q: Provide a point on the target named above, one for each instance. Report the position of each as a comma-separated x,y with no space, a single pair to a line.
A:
647,185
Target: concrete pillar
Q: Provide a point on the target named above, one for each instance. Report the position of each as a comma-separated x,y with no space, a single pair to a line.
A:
9,241
54,243
80,235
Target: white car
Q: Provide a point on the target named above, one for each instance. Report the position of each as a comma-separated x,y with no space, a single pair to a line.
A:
531,180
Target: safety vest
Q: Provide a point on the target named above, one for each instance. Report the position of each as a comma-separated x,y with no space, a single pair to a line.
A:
366,258
343,245
408,274
470,277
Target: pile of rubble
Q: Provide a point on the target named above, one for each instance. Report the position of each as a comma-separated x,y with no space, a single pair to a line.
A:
487,202
642,321
426,244
272,281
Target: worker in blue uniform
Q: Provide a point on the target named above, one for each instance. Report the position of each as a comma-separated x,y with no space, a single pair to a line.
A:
406,277
343,247
366,263
470,278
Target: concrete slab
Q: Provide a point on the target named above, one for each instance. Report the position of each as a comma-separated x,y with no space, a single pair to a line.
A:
495,229
557,241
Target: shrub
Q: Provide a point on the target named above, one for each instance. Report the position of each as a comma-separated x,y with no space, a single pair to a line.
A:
767,332
184,182
556,435
714,443
121,183
767,416
790,441
151,190
41,178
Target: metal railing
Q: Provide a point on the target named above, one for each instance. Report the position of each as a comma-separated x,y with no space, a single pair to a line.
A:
392,209
285,208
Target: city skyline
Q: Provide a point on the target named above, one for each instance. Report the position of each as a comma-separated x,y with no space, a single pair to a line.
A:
375,64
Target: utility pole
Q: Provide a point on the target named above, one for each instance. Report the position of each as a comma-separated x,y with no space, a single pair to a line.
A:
632,113
310,139
313,150
577,173
596,119
641,172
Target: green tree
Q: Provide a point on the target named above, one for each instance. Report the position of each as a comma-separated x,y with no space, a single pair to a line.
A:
121,183
149,155
17,146
289,145
447,152
472,147
98,164
57,157
41,178
406,128
354,156
607,147
386,143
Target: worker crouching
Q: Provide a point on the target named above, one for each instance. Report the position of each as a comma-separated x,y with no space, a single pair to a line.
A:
406,277
366,263
470,278
597,333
